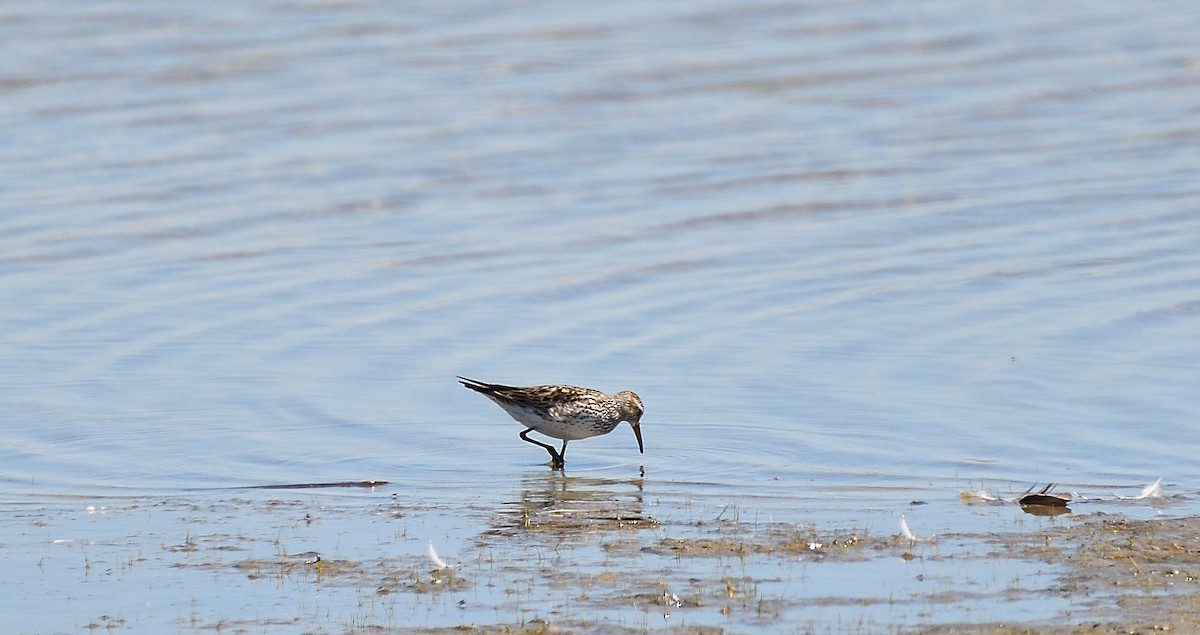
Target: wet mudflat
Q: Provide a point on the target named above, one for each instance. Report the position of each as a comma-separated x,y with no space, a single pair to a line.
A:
587,555
1122,575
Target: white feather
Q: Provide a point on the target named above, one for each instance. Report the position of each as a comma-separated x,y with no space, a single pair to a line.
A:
979,494
905,531
437,561
1153,490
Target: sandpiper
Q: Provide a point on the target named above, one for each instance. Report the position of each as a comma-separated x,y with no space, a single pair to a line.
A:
563,412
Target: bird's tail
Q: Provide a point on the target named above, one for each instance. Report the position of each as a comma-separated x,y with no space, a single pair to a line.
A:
482,386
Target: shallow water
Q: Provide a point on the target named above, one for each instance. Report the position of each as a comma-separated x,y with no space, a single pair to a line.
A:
850,256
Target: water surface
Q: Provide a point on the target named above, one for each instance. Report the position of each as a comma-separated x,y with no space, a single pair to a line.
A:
850,256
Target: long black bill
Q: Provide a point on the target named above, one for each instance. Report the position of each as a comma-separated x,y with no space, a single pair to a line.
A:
637,432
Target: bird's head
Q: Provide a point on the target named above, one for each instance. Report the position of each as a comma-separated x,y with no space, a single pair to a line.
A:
631,411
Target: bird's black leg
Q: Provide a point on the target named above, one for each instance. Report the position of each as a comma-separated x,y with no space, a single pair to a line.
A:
556,459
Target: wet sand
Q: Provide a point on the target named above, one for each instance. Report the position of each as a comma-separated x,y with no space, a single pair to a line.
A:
1129,576
585,556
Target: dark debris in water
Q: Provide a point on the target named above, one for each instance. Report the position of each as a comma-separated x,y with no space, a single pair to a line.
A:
1043,502
1044,497
366,484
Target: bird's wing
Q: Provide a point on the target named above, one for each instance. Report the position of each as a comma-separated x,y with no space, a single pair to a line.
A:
552,401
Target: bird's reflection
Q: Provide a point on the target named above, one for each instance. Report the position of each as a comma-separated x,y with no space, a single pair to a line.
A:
556,501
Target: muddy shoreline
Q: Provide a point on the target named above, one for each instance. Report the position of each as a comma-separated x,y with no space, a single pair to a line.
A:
1121,575
585,555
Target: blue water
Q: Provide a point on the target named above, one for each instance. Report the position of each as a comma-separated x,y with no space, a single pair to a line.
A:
848,255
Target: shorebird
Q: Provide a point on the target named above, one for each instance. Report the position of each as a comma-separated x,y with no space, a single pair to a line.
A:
563,412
